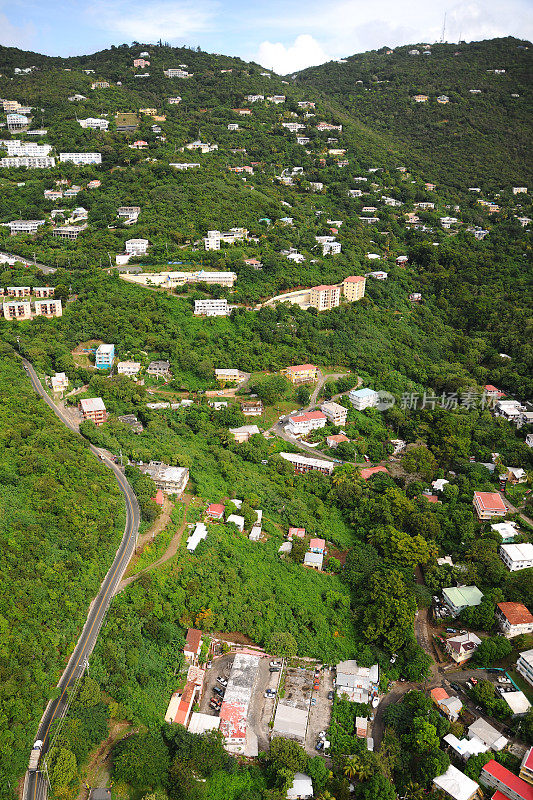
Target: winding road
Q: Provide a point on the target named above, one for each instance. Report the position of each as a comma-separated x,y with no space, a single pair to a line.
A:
35,784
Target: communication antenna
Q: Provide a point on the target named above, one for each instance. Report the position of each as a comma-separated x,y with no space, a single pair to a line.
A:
443,29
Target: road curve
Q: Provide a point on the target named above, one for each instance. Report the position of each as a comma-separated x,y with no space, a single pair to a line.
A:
35,785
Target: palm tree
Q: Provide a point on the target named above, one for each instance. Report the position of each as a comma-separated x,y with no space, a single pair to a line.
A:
325,795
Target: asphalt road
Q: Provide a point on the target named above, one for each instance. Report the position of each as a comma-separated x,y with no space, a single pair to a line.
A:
35,785
46,270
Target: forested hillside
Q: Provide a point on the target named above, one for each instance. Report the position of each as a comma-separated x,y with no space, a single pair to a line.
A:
479,138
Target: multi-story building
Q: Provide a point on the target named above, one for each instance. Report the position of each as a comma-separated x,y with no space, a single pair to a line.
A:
128,211
128,367
17,309
506,784
48,308
93,408
158,369
212,308
353,287
172,480
15,147
517,556
24,225
177,73
489,505
526,767
43,291
228,375
325,297
68,231
252,408
363,398
94,123
514,619
335,413
524,665
301,373
17,122
304,464
105,354
140,62
18,291
81,158
462,647
456,598
100,85
302,424
136,247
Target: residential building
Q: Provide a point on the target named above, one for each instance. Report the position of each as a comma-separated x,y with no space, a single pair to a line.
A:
134,425
100,85
17,122
252,408
519,189
93,408
511,787
193,645
105,354
314,560
199,533
485,733
59,382
317,546
48,308
336,439
516,475
136,247
353,287
212,308
363,398
489,505
174,101
81,158
94,123
524,665
304,464
159,369
215,510
18,291
507,531
456,598
68,231
177,73
24,226
302,373
15,147
325,297
128,211
516,700
450,706
172,480
298,532
302,424
517,556
43,291
462,647
128,368
17,309
301,789
335,413
420,98
359,684
456,784
203,147
465,748
510,409
244,433
237,520
526,767
237,699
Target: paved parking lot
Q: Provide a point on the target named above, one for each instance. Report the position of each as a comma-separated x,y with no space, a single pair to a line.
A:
221,666
319,714
261,707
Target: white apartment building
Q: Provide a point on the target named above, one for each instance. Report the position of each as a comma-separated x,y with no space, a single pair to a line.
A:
17,309
301,424
325,297
517,556
331,248
363,398
203,147
16,122
128,367
24,225
336,413
212,308
48,308
214,238
524,665
43,291
30,162
15,147
68,231
94,123
18,291
136,247
81,158
177,73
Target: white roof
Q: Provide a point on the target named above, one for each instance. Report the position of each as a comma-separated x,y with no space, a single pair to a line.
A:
302,787
466,747
199,533
105,348
92,404
313,559
249,429
439,484
506,529
456,784
238,520
172,709
518,552
517,702
481,729
201,723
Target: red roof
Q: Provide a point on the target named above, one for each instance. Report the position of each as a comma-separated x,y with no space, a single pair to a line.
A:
317,544
193,639
338,438
324,286
508,779
309,415
187,699
299,532
233,720
516,613
215,509
490,501
354,279
369,471
529,760
302,368
431,498
158,497
439,694
499,795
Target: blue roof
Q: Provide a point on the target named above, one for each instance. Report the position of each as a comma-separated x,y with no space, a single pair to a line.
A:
363,392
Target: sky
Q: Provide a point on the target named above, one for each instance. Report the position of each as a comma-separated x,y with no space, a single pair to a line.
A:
283,35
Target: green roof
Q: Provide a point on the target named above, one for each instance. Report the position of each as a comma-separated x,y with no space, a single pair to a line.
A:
463,595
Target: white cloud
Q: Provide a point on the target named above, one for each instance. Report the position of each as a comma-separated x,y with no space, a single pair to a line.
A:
22,36
147,22
305,52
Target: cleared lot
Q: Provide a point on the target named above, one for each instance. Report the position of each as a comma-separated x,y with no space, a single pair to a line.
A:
319,714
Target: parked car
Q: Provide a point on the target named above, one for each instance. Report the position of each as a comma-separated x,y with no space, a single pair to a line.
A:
473,681
313,701
276,664
319,745
223,682
209,664
331,695
456,686
270,693
274,669
218,690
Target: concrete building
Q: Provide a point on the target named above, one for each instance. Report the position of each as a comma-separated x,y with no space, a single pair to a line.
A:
363,398
526,767
506,784
244,433
302,424
105,354
336,439
81,158
325,297
335,413
359,684
93,408
456,784
136,247
489,505
171,480
480,730
24,226
48,308
301,789
353,287
252,408
516,700
314,560
212,308
94,123
43,291
59,382
193,645
302,373
450,706
303,464
198,535
462,647
517,556
524,665
237,698
507,530
158,369
17,309
456,598
514,619
177,73
18,291
128,368
228,375
68,231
